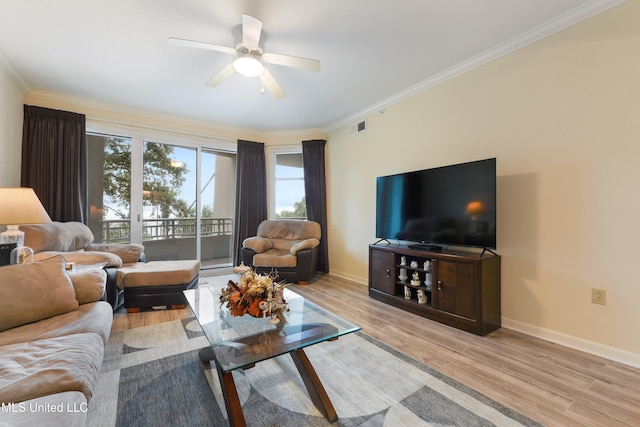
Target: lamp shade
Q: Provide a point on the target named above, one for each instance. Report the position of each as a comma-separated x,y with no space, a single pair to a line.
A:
20,205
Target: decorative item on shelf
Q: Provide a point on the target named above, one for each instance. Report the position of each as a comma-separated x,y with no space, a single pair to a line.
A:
403,275
415,279
407,292
20,205
414,264
403,260
428,281
422,296
255,294
427,265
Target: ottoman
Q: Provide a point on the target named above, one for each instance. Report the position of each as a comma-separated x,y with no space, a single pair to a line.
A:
157,283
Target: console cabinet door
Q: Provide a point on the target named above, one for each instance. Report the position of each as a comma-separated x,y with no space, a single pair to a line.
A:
455,288
382,271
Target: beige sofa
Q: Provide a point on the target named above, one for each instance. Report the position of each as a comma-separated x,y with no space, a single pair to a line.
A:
74,240
53,329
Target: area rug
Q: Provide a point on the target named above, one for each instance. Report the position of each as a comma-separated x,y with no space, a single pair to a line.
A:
152,376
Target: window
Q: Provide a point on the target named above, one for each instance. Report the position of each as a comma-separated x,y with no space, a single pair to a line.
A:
289,196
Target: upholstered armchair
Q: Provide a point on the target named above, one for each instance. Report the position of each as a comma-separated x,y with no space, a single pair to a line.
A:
289,247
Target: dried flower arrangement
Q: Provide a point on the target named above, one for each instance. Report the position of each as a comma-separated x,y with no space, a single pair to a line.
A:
256,295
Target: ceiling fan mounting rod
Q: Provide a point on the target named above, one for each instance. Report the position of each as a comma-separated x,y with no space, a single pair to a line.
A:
241,49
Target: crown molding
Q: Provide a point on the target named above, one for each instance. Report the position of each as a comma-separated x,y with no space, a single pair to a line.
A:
8,69
546,29
118,115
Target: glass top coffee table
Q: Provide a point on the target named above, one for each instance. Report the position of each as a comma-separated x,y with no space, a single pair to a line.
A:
239,342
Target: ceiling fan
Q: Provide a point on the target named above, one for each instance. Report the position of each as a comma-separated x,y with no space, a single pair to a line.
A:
250,57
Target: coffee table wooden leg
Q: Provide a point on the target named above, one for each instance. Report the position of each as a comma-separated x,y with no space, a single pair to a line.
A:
231,399
316,390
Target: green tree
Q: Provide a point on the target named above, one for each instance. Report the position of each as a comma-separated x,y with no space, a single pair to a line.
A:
299,210
207,211
161,179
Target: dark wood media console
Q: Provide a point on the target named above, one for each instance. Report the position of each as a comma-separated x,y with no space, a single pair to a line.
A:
464,290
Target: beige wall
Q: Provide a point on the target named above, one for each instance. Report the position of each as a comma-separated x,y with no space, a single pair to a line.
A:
562,116
11,117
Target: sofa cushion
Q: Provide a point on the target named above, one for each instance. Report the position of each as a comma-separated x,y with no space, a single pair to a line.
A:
129,253
39,368
88,283
275,258
283,244
95,318
57,236
35,291
289,229
158,273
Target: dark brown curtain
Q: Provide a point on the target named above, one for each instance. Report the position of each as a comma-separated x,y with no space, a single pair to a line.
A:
315,189
54,161
251,193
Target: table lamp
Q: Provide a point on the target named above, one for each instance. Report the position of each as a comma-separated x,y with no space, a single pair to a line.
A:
20,205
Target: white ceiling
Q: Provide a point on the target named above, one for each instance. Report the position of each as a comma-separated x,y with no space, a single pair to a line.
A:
372,51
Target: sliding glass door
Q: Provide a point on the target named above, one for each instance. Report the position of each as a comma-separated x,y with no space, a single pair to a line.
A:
169,201
217,195
109,183
176,199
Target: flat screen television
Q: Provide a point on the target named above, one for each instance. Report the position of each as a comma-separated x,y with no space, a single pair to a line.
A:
449,205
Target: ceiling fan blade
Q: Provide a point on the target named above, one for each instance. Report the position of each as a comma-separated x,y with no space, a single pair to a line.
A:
200,45
251,31
270,82
223,74
292,61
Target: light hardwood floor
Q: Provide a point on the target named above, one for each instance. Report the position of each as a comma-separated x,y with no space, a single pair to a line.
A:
549,383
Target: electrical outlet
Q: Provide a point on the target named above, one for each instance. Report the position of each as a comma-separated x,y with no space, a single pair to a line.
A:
598,296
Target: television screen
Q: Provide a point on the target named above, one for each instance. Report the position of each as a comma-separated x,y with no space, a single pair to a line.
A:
449,205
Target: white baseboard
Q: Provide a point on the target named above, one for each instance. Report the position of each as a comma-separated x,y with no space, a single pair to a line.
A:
601,350
597,349
351,277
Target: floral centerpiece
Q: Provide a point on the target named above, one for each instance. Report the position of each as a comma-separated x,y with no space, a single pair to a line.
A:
255,294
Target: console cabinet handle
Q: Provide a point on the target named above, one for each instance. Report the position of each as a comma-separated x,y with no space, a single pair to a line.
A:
439,285
388,273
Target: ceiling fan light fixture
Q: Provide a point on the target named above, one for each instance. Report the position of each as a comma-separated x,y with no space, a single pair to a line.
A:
248,66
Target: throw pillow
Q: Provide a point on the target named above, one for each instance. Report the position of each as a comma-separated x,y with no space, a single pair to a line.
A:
36,291
57,236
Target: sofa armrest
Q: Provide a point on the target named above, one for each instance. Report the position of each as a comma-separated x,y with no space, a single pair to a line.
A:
83,258
257,244
128,252
304,244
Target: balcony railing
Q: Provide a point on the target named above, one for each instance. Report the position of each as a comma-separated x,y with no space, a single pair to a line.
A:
118,231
